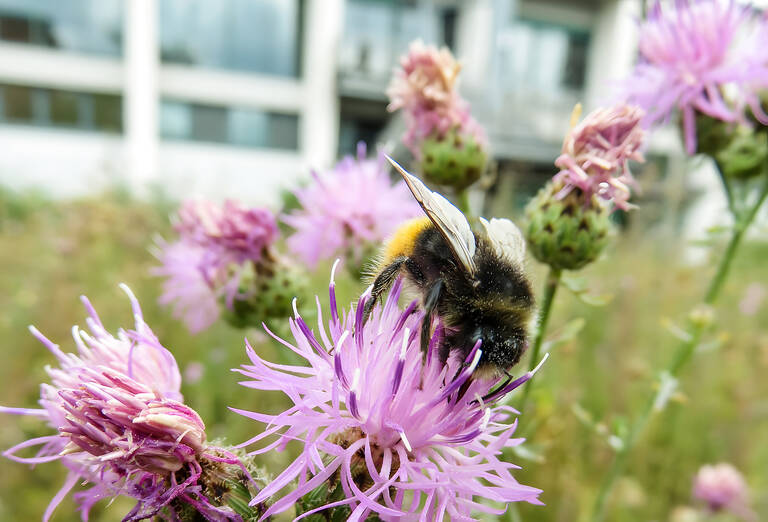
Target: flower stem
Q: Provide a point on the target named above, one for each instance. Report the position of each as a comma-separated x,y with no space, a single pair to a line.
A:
683,354
550,288
462,200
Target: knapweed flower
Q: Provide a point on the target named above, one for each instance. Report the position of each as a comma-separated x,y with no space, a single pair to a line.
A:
217,246
424,87
231,232
407,436
187,288
348,210
722,487
596,153
120,422
693,52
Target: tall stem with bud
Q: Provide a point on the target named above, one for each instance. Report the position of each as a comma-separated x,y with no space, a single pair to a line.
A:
683,354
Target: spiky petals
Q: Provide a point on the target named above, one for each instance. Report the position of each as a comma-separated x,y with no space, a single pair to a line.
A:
596,154
120,421
424,87
188,284
348,210
691,52
407,437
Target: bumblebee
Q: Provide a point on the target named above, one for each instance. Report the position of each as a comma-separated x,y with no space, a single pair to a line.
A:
472,280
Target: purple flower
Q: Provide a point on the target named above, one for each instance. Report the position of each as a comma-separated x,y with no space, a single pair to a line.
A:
425,88
722,487
348,210
216,244
120,422
406,436
596,154
235,232
691,52
187,284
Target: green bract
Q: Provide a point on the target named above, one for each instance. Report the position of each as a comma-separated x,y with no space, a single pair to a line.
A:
566,233
455,160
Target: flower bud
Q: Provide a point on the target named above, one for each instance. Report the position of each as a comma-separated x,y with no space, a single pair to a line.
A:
267,292
566,232
456,159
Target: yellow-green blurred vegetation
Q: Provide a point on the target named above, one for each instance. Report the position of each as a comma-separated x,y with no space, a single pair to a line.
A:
52,252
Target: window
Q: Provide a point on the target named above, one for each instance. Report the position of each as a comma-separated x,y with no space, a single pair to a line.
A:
88,26
232,125
548,59
377,33
60,108
262,36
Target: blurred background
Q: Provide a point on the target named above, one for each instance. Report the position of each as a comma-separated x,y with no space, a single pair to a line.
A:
242,97
112,111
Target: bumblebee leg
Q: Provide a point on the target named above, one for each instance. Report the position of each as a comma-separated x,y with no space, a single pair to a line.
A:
430,303
492,392
382,283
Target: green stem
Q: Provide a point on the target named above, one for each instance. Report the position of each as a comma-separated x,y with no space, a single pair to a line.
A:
727,189
462,200
550,288
683,354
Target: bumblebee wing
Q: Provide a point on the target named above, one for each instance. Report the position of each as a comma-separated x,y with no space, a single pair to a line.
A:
506,239
448,219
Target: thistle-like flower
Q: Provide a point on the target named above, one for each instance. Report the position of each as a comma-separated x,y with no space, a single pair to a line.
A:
596,153
231,232
568,220
348,210
188,285
442,134
722,488
121,424
400,434
691,53
220,250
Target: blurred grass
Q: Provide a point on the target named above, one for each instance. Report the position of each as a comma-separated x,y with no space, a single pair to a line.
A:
52,252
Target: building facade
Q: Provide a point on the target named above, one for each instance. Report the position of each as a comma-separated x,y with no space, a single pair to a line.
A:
243,97
226,98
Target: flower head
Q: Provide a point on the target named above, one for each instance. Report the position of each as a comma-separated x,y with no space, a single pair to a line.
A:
721,487
120,421
187,284
348,210
690,51
425,88
405,434
217,245
596,153
237,232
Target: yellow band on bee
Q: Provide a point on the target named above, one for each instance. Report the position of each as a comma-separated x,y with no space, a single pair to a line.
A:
403,240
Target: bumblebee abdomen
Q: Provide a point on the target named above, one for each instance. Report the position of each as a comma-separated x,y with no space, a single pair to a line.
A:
403,241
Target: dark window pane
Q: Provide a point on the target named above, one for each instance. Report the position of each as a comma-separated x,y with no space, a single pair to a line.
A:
576,62
209,123
251,35
64,108
17,102
283,131
107,112
14,29
233,125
